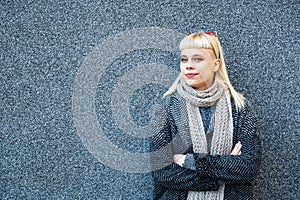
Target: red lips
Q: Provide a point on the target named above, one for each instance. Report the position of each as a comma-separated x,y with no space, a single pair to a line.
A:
191,75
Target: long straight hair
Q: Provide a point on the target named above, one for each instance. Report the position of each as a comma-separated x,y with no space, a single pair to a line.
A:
207,41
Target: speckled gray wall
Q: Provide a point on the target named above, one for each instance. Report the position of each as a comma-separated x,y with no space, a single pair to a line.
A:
44,45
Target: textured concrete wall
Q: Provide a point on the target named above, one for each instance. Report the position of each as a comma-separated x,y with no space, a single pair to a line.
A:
53,54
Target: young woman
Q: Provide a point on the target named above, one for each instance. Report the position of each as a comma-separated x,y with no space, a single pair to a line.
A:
205,142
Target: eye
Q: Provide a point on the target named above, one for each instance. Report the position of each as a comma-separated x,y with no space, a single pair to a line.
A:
197,59
184,60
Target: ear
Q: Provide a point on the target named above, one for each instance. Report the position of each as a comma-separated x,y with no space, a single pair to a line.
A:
217,64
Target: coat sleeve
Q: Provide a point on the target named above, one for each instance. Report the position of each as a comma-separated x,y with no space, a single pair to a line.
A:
235,169
165,172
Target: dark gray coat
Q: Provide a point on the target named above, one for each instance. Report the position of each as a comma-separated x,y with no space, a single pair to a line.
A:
171,136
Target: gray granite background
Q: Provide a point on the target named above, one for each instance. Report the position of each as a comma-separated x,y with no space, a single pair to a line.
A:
43,45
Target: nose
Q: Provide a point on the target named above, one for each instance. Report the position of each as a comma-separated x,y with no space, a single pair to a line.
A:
189,66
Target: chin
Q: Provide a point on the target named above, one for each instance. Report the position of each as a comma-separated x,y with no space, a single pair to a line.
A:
191,83
197,86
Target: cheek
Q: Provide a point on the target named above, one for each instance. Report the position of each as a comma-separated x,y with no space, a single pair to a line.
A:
181,67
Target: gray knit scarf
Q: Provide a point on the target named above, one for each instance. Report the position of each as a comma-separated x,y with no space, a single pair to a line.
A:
221,123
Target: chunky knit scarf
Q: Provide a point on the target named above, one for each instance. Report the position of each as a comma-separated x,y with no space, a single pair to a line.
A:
221,124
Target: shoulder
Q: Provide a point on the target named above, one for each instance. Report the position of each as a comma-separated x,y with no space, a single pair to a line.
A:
244,116
172,100
164,108
172,97
246,109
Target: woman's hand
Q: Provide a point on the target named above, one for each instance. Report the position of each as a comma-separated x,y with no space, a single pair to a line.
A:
179,159
236,151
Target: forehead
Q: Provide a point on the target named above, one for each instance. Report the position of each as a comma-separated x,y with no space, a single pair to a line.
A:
196,51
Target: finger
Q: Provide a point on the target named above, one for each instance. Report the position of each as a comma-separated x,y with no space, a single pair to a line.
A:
238,146
236,149
234,152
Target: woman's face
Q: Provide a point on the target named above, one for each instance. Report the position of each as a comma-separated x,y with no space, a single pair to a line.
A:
198,67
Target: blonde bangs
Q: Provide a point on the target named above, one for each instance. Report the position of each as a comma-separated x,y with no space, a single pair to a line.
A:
195,41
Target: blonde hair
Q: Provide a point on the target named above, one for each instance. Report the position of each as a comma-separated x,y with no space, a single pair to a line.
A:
208,41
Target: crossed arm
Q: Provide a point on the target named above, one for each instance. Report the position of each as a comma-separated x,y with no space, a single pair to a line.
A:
180,158
240,167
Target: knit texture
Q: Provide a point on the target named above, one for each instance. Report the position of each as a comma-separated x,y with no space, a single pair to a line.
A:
222,126
174,182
